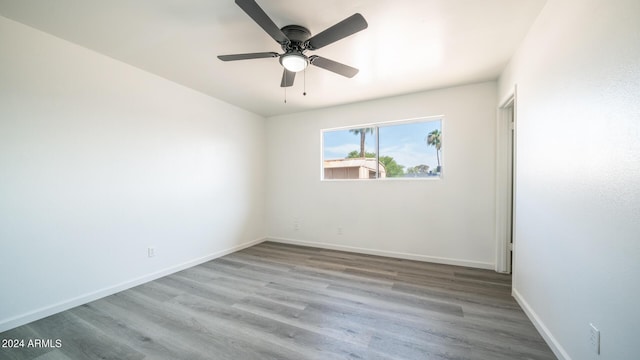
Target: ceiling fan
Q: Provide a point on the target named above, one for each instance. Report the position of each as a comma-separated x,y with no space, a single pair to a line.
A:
295,40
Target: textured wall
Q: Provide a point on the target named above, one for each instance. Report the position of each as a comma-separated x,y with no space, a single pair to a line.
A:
98,161
448,220
577,257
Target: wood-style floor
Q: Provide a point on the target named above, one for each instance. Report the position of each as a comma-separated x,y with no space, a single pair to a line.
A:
276,301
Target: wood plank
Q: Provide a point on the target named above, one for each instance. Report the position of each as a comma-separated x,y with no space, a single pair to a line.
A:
279,301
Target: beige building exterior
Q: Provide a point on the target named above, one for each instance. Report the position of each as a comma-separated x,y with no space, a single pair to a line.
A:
357,168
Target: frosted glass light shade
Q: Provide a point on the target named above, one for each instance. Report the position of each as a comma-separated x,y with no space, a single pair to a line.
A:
294,62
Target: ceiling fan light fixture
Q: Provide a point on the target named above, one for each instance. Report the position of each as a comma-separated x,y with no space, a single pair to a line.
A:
294,62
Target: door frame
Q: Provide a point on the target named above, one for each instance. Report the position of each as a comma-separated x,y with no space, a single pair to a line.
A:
506,135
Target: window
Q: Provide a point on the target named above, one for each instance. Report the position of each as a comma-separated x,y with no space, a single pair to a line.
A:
401,149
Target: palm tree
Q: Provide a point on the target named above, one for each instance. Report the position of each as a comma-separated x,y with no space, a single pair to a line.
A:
434,139
362,132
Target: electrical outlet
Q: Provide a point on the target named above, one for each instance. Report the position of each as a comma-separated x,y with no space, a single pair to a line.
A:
151,252
339,230
296,225
594,338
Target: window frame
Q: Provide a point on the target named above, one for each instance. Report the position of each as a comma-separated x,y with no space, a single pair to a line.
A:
376,126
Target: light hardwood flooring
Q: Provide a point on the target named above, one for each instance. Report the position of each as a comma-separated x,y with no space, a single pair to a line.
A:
276,301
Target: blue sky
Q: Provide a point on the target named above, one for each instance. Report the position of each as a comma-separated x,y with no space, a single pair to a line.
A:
404,142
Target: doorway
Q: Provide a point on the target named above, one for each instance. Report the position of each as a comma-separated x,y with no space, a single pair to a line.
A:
505,183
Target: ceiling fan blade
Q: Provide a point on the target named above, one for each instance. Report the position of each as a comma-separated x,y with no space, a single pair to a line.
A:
334,66
249,56
341,30
287,78
261,18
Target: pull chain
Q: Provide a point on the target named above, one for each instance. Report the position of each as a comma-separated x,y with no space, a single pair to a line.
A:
304,90
285,94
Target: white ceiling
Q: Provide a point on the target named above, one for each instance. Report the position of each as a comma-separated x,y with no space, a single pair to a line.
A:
409,46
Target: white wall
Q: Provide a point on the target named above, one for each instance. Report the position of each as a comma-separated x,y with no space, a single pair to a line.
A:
577,258
449,220
98,161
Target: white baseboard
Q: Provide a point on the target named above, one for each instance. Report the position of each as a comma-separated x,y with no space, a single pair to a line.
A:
553,343
43,312
393,254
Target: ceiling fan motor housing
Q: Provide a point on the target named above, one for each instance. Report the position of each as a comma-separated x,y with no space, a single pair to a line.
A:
296,33
294,59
